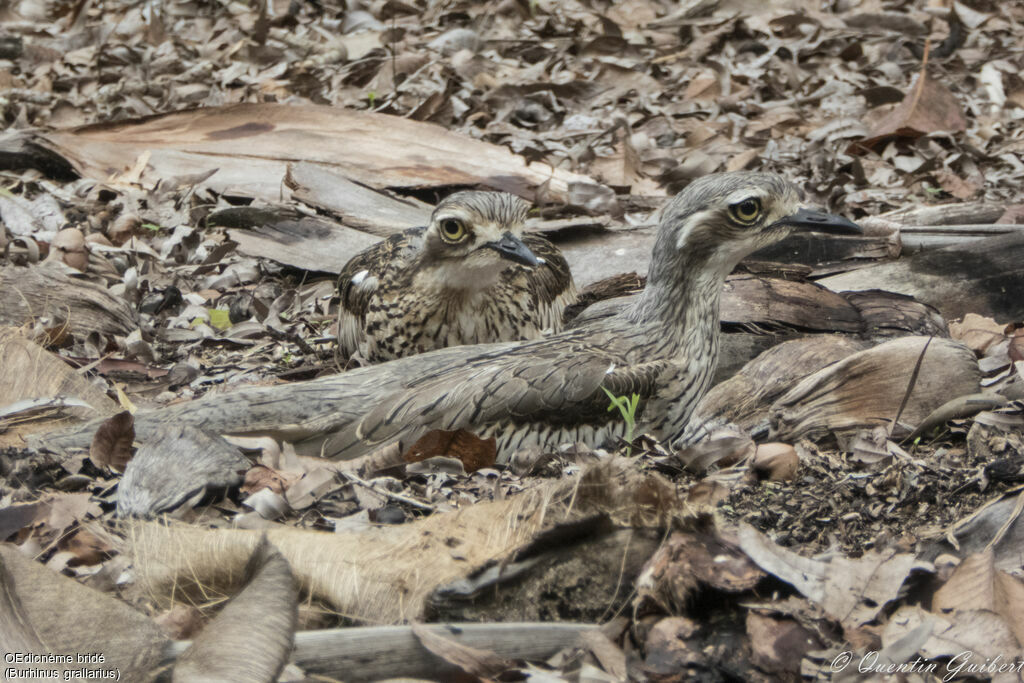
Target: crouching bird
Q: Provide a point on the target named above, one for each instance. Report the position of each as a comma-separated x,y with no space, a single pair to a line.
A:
549,391
663,348
469,277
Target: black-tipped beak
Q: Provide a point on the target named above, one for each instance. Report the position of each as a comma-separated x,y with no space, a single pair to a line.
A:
512,248
819,221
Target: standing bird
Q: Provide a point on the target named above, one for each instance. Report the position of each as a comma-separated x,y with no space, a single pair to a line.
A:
469,277
662,347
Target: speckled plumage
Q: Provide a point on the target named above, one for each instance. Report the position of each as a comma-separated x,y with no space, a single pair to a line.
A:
416,292
664,347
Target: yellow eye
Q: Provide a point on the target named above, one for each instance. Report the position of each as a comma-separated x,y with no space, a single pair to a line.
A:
452,230
747,211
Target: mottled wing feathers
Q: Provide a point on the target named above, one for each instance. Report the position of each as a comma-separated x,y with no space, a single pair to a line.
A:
360,278
552,279
538,384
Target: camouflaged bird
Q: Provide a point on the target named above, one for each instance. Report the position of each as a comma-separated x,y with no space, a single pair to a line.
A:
469,277
664,347
542,393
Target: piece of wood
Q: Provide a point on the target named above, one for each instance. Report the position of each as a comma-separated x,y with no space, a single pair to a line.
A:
984,277
886,314
597,255
378,652
356,205
47,293
918,238
821,250
308,243
251,144
19,150
939,214
753,300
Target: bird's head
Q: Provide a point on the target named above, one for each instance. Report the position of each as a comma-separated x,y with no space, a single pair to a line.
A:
719,219
478,230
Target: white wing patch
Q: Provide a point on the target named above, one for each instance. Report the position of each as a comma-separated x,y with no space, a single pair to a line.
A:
364,281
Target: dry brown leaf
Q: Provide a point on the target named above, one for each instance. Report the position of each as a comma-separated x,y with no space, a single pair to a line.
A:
977,584
743,160
976,332
668,647
250,145
69,246
974,636
69,508
112,444
14,518
608,654
961,188
1016,348
703,87
71,617
262,477
852,591
474,453
778,645
928,107
87,548
1013,215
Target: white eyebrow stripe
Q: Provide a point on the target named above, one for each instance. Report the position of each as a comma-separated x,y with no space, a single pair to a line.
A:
359,277
740,195
683,232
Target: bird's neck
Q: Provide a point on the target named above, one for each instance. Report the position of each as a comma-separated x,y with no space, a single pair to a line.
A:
680,305
444,277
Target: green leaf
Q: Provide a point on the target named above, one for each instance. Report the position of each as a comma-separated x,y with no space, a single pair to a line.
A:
219,318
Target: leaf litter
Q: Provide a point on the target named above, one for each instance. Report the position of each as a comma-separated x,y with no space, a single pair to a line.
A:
872,107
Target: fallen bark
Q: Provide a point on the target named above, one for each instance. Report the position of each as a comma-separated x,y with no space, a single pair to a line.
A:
369,653
46,293
983,277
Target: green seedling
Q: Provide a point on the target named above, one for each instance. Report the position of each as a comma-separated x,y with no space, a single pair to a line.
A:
627,407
